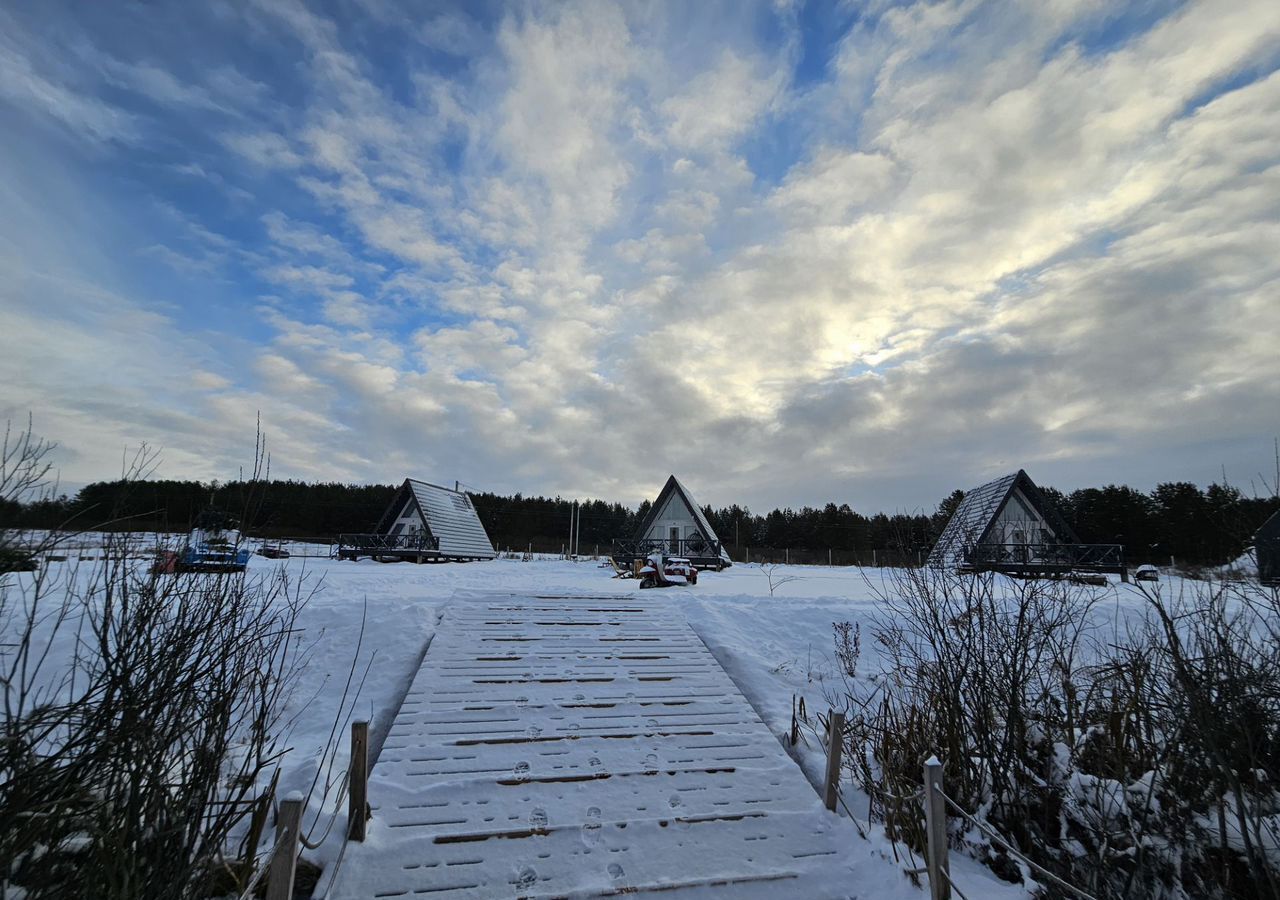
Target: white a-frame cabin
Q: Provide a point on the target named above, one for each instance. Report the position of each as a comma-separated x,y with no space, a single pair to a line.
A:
424,523
676,526
1007,525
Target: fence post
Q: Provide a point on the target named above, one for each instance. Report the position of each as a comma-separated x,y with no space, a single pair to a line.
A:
284,865
935,819
358,783
835,743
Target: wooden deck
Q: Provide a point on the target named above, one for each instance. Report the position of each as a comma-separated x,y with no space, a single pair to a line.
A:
586,746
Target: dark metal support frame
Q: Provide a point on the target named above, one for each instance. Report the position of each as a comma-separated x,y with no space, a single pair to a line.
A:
1046,558
702,553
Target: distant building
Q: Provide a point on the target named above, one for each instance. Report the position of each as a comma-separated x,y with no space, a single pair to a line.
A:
425,523
676,526
1007,525
1267,545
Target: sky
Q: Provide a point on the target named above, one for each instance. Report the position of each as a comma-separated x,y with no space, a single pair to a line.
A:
793,252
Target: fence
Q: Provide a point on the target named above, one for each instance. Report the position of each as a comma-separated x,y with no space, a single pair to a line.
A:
280,864
894,557
936,801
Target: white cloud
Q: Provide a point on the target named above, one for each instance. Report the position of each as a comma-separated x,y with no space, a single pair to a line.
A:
607,246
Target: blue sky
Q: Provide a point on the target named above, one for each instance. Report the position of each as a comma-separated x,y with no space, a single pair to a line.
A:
791,251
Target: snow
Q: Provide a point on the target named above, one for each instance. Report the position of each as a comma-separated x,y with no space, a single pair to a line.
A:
771,647
770,629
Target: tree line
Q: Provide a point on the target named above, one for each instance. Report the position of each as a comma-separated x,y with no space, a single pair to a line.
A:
1177,519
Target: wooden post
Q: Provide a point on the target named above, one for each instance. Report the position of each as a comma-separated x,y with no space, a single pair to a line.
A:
358,786
284,864
835,743
935,819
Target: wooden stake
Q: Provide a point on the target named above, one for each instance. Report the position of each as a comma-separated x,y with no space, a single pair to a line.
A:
935,818
284,865
358,787
835,743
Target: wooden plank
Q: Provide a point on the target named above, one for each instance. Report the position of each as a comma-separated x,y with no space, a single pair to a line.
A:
585,746
358,787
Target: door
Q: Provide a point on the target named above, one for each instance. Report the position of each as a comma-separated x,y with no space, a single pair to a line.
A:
675,540
1020,550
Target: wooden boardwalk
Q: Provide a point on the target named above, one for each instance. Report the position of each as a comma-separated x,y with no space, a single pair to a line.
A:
586,746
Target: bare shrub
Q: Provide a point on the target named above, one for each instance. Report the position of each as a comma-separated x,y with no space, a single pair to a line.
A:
139,718
775,578
1137,763
848,638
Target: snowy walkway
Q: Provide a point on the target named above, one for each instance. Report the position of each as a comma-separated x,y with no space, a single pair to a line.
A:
587,746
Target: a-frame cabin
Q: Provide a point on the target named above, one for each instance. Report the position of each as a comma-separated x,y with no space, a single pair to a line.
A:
424,523
676,526
1007,525
1267,546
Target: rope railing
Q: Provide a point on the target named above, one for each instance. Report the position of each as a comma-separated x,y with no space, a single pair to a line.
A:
305,840
261,865
279,869
935,802
995,836
951,884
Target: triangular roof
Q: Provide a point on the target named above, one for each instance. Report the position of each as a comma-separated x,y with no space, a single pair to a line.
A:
448,515
1270,529
973,519
673,485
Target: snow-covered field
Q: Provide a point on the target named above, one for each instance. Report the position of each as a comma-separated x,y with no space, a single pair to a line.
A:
773,644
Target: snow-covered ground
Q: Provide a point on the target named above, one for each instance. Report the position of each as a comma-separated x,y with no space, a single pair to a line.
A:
772,646
775,644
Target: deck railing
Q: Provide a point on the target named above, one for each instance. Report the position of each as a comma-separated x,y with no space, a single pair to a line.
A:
1047,556
392,543
690,548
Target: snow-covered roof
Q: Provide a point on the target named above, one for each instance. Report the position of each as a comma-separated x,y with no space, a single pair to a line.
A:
977,513
449,515
674,485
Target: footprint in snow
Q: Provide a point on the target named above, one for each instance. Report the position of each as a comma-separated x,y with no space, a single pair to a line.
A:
615,872
594,762
526,879
674,802
521,771
651,764
538,820
534,731
591,828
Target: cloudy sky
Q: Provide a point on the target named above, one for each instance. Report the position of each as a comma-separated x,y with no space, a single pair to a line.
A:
793,252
